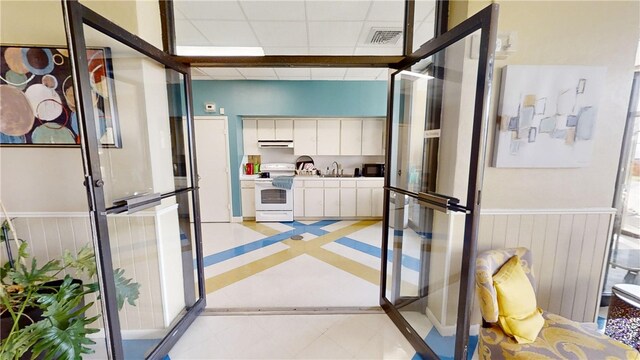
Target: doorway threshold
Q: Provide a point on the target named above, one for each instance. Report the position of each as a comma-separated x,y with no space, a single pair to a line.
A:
293,311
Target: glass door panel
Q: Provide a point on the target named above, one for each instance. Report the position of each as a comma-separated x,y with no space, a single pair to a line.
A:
437,128
150,234
135,116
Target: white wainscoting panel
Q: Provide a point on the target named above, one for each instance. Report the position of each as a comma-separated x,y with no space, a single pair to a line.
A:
134,249
569,248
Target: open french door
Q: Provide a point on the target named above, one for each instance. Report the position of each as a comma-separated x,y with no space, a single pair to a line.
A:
133,105
437,128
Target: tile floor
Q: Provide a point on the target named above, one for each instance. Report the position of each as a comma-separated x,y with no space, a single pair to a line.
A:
355,336
258,266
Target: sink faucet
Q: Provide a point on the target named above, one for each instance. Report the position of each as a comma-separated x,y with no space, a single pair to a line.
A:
336,171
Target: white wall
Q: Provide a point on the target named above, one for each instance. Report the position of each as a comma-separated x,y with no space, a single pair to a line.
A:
603,33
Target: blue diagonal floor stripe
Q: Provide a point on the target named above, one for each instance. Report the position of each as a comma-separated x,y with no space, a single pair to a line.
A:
298,228
407,261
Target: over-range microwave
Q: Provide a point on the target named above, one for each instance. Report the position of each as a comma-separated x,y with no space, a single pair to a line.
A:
373,170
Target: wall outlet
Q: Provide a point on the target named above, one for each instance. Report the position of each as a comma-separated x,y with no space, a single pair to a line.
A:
221,111
210,107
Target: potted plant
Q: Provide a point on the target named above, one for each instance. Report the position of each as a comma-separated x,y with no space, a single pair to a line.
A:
42,311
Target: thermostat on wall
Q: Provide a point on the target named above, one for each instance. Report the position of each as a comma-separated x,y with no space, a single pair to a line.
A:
210,107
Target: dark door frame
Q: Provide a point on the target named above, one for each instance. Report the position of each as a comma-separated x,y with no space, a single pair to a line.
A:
76,17
486,22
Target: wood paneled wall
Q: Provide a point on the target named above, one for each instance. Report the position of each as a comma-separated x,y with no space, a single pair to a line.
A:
569,247
134,249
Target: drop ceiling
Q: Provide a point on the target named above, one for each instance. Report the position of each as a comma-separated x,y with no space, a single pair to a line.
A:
297,27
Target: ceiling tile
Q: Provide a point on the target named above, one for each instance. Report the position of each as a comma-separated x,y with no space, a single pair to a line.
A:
387,10
375,50
214,10
327,73
331,50
364,72
334,33
281,34
423,33
268,50
424,10
298,78
221,72
227,33
293,72
274,10
187,34
197,72
337,10
251,73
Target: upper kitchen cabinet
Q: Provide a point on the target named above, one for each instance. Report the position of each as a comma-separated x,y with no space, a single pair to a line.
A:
250,136
351,137
275,129
256,129
373,136
328,139
305,137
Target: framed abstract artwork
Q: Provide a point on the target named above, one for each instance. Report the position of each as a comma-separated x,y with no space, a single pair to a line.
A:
37,104
547,116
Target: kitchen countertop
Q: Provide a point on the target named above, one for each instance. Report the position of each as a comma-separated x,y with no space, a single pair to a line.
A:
316,177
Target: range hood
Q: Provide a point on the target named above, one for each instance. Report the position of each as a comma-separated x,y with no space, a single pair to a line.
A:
275,144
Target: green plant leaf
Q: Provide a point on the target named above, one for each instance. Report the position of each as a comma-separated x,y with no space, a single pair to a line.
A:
125,289
83,262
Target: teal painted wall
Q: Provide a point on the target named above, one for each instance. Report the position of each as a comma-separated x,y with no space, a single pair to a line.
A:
284,98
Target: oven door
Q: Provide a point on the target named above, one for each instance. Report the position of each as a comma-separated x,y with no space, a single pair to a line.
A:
269,197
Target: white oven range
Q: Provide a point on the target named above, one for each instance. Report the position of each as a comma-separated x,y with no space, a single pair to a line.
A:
274,203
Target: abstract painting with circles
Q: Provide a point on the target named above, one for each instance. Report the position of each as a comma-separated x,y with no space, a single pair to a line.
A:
37,105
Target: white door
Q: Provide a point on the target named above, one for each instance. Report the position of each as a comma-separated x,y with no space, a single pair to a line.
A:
212,149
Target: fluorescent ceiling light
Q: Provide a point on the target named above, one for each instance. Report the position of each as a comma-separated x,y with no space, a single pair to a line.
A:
219,51
418,75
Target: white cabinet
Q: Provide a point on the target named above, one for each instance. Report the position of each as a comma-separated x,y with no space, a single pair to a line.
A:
298,199
248,194
363,201
328,137
313,202
304,137
250,136
377,202
373,136
347,202
332,202
283,129
275,129
351,137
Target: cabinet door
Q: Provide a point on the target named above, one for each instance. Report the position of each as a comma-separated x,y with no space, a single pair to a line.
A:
372,136
363,203
328,137
250,136
351,137
266,129
284,129
313,202
298,201
377,202
304,137
248,202
347,202
332,202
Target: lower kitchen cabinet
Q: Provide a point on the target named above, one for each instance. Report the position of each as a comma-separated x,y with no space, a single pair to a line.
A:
298,200
314,202
332,202
344,198
248,194
348,202
363,200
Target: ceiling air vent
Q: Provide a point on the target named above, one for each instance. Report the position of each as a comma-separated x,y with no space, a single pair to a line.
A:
383,36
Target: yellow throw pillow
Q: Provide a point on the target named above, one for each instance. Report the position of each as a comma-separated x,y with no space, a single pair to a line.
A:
518,313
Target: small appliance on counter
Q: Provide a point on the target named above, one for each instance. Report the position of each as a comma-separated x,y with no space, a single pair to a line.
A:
373,170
